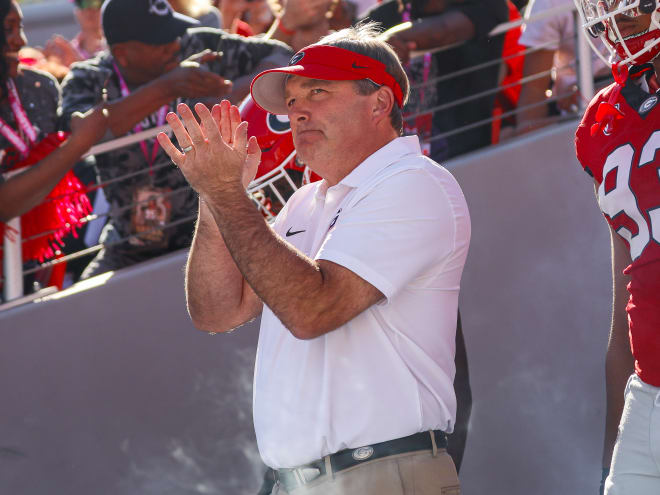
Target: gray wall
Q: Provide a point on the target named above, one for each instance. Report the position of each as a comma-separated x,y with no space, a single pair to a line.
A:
111,390
535,304
42,20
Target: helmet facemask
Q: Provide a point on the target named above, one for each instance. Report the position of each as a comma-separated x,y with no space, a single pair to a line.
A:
280,174
599,21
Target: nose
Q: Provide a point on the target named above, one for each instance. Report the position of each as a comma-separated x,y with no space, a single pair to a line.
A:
297,112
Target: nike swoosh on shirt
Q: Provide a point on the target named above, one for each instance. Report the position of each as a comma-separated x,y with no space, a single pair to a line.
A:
289,233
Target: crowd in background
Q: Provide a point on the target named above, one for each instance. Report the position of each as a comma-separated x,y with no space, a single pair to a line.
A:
144,208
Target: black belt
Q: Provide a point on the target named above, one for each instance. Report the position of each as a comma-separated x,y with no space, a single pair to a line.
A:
291,478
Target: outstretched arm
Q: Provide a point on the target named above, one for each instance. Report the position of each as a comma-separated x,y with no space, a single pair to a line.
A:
27,189
432,32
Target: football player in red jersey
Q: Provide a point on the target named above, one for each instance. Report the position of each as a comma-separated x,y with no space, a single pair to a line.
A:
616,143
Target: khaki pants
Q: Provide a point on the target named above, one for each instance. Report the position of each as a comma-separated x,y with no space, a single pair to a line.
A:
418,473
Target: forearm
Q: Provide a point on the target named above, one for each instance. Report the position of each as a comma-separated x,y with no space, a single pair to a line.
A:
125,113
619,365
27,189
440,30
266,261
532,109
619,362
217,296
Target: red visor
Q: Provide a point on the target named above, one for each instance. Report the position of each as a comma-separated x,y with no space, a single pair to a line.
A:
325,62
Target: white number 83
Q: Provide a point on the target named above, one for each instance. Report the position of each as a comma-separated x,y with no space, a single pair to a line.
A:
621,199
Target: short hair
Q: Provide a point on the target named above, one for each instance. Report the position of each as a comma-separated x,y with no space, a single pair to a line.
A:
364,39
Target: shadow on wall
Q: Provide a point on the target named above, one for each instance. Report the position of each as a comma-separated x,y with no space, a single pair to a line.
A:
111,391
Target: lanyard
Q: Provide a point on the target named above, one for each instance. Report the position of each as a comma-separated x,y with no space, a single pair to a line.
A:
138,128
22,120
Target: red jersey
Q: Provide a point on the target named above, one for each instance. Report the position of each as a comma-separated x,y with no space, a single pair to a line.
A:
623,160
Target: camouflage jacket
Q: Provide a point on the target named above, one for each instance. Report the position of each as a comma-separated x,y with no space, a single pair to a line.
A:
161,189
40,97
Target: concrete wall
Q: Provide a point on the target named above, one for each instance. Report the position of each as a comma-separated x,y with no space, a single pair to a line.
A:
109,390
44,19
535,306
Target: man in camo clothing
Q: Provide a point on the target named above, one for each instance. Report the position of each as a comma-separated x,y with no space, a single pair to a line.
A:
157,58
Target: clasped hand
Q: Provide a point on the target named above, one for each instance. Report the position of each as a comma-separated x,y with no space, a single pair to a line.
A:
219,157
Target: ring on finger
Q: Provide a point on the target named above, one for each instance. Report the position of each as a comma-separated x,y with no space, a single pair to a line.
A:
187,149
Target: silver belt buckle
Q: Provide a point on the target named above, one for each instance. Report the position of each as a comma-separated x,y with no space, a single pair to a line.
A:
363,453
306,475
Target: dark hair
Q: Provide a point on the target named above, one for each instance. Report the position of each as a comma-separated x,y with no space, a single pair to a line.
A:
5,6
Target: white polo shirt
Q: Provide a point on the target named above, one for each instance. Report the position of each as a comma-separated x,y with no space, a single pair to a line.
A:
400,222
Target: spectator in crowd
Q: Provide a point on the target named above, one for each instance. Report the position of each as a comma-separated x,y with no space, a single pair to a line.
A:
232,12
299,23
150,204
332,358
553,39
258,16
59,53
437,24
28,109
32,150
202,10
344,14
506,99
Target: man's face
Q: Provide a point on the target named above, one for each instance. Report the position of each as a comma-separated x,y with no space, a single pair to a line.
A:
630,26
328,119
149,61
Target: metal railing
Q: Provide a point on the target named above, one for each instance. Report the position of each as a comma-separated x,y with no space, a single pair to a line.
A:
13,272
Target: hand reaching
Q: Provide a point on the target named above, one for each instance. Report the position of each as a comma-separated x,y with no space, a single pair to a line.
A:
61,50
90,127
192,80
221,157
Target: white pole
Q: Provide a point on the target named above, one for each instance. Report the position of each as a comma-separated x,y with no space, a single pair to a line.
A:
585,66
13,260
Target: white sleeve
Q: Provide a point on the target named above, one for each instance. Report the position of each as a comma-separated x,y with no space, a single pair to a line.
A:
401,227
549,32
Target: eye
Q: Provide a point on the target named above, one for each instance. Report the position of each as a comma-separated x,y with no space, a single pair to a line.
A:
317,91
289,103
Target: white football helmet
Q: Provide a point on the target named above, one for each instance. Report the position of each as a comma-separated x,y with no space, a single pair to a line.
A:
599,20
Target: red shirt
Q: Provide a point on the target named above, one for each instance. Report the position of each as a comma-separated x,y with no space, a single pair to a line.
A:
626,167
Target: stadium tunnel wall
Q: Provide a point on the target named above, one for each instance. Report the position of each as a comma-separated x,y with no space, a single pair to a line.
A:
107,388
45,18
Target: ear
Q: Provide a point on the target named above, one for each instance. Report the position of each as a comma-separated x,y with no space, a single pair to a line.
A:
383,102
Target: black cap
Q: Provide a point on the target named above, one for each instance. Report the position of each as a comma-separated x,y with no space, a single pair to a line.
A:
150,21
